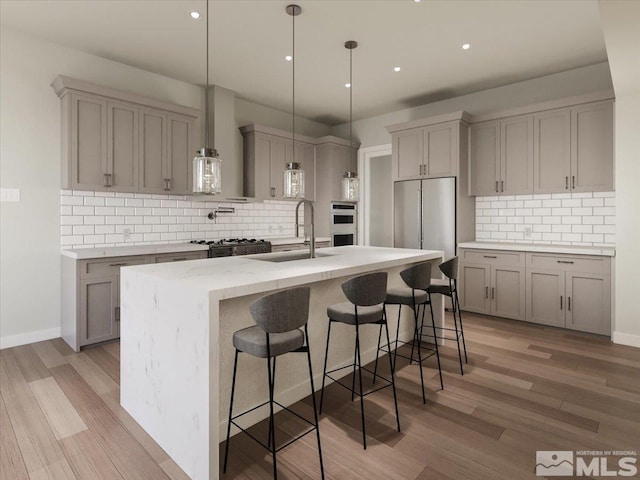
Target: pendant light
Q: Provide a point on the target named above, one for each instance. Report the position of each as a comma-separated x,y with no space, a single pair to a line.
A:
207,166
350,182
293,186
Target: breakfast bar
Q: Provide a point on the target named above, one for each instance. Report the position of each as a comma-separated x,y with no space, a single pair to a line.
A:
176,328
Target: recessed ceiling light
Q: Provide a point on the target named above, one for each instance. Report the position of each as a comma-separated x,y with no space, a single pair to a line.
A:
466,46
195,15
288,58
348,85
417,1
396,69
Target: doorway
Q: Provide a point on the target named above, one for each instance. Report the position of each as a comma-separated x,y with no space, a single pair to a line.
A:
375,222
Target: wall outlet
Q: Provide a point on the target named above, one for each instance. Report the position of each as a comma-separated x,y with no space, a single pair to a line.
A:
9,195
527,232
126,232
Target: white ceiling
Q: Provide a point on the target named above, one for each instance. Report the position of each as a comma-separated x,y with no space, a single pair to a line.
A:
511,40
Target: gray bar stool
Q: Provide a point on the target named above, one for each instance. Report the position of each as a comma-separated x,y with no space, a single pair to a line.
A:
418,280
450,289
366,295
279,317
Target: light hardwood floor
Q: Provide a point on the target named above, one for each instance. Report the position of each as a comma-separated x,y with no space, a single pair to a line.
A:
526,388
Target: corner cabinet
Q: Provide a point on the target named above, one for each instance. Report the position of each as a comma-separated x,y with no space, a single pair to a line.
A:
121,142
91,295
428,148
558,290
266,153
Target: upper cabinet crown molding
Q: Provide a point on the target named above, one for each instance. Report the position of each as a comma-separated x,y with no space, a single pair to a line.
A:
425,122
63,85
285,134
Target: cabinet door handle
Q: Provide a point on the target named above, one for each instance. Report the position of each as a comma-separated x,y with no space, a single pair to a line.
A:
118,264
573,182
272,191
489,256
178,259
493,293
107,180
486,292
566,183
117,314
167,184
560,302
502,185
569,303
565,261
496,186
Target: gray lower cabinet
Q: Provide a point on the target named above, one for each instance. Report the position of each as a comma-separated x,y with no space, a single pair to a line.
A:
290,247
495,286
570,292
91,295
567,291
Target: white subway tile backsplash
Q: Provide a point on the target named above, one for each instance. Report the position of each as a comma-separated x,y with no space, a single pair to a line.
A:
562,218
95,201
83,210
134,202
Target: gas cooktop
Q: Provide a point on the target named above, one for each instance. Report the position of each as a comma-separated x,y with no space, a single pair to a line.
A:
235,246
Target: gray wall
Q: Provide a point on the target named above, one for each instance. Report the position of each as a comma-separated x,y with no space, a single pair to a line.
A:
371,131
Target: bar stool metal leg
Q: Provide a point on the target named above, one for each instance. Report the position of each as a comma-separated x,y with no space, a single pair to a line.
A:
324,370
464,345
435,340
393,382
233,388
375,368
455,326
272,429
416,313
313,399
273,386
353,379
364,438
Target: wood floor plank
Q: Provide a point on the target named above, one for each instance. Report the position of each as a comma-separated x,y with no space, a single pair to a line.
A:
87,459
129,457
62,346
62,417
11,463
107,362
36,440
56,471
173,470
49,354
97,378
29,362
113,348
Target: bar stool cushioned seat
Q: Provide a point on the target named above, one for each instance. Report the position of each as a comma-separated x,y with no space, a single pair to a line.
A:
345,312
405,296
253,341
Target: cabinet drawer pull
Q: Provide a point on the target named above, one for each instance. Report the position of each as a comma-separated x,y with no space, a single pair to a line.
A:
570,262
178,259
107,180
167,184
573,181
486,292
489,256
566,183
117,314
118,264
560,302
273,191
569,303
493,293
502,185
496,186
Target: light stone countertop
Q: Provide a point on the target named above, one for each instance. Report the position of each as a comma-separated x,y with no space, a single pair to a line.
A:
541,248
89,253
230,277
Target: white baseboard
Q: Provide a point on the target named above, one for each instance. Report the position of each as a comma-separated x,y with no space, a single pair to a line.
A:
626,339
31,337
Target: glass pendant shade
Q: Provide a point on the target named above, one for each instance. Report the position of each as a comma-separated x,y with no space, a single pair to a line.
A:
350,186
293,181
207,172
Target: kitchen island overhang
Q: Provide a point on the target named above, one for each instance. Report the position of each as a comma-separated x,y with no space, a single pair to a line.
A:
176,328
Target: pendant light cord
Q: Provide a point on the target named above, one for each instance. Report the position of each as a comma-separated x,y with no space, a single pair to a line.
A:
293,82
351,99
206,90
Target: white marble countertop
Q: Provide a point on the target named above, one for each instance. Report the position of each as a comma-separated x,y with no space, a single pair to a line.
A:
541,248
88,253
293,240
230,277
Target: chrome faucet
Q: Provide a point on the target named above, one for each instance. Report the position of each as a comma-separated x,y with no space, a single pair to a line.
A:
312,239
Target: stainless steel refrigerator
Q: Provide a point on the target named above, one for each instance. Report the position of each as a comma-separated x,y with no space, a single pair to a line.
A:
425,215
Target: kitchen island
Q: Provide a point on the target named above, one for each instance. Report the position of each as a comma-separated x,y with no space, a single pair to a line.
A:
176,329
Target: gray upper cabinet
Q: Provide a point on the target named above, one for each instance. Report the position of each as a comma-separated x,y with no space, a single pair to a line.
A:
117,141
85,143
501,157
484,158
426,152
556,150
592,147
516,155
552,151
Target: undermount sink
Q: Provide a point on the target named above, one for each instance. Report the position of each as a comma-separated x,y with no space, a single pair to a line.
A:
288,256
